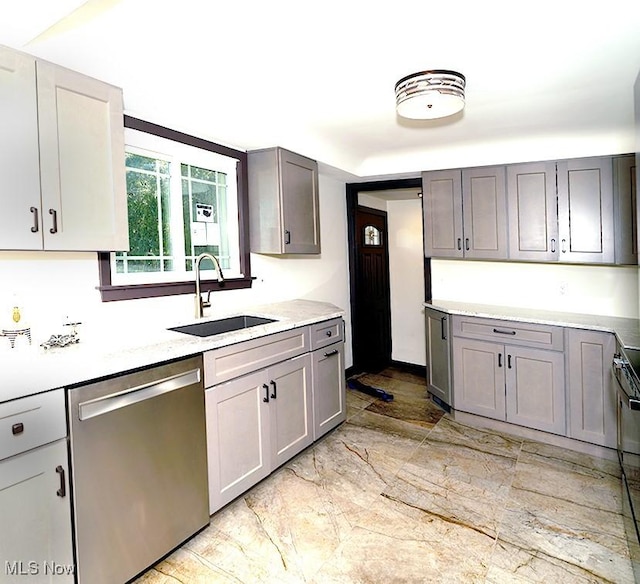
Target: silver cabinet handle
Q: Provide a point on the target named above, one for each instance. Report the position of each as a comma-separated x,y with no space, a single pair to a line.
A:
553,246
35,227
287,237
54,215
564,246
115,401
331,353
459,243
443,332
466,243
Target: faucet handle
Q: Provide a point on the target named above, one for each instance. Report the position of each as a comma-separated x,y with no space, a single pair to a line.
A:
206,303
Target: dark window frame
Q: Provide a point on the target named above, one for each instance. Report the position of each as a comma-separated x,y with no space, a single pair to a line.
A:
110,293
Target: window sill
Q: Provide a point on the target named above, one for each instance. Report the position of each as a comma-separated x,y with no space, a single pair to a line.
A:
129,292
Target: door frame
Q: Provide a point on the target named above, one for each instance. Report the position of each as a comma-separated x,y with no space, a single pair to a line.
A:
352,190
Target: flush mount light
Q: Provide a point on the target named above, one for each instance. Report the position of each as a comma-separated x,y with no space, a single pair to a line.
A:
430,94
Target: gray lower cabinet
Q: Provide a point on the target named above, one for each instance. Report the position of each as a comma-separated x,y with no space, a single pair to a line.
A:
238,437
515,383
34,491
479,381
267,399
256,423
329,407
437,328
34,501
590,389
283,202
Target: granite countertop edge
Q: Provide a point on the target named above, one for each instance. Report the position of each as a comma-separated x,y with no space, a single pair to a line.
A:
627,330
31,370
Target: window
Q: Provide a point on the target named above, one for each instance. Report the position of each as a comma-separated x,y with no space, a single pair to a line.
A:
185,196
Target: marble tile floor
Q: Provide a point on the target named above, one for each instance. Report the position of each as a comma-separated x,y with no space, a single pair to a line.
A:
401,493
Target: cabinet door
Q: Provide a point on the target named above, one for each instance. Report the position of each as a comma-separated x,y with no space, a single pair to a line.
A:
591,393
290,398
535,388
532,208
484,205
238,439
624,206
36,516
478,378
300,208
20,217
329,408
438,358
585,210
442,208
81,130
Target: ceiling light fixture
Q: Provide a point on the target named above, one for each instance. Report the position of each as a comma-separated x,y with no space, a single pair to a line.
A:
430,94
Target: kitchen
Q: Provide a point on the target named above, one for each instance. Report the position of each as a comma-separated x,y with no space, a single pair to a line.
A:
54,286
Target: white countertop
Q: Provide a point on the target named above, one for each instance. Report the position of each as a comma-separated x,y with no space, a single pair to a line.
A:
626,329
27,370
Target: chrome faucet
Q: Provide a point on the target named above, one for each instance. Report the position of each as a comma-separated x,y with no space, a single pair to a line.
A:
200,303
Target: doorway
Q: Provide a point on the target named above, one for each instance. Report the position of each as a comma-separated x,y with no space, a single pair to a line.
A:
371,323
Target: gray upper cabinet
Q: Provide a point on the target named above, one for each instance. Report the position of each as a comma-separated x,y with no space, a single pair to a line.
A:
585,210
442,208
284,213
533,215
465,213
484,208
624,209
579,210
62,178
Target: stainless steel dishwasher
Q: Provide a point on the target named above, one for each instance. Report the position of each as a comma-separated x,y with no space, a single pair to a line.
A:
139,468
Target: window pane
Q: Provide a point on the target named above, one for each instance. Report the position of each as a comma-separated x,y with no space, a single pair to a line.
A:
138,161
167,247
142,197
203,174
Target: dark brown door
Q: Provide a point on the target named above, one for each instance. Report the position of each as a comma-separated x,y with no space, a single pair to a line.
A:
372,322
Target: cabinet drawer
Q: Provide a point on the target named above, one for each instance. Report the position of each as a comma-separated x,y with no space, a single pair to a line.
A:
326,333
508,331
233,361
31,421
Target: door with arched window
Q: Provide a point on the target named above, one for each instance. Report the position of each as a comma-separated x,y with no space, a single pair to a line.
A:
372,318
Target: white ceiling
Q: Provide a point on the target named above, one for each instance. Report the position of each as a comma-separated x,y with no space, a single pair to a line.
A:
546,79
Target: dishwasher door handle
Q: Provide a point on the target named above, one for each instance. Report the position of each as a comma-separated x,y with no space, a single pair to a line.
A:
115,401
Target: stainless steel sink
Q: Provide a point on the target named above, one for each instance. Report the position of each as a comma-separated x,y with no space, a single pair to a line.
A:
224,325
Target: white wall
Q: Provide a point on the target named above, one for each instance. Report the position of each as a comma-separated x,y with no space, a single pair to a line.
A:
606,290
50,286
406,260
